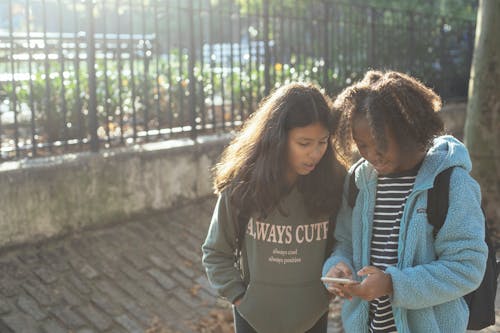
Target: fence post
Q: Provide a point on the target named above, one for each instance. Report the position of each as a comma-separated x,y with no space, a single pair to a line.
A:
373,36
267,52
326,55
191,64
13,80
411,44
92,106
443,60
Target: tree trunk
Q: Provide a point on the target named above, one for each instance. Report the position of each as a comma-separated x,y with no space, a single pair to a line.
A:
482,124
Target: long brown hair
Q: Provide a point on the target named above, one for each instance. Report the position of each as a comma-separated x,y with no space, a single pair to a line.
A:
252,166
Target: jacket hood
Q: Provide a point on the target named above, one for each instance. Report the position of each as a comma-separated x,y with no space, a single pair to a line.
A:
446,152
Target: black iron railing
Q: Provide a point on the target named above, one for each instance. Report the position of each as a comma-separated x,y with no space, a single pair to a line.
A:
86,75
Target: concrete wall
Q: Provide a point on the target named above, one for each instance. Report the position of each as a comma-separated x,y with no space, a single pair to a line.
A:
47,197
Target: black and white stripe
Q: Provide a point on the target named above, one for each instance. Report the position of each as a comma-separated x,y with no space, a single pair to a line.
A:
392,192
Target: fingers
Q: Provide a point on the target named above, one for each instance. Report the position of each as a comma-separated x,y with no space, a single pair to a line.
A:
345,269
338,290
365,290
339,270
334,272
376,284
368,270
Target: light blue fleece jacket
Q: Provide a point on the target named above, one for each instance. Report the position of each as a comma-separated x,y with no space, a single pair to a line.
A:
432,274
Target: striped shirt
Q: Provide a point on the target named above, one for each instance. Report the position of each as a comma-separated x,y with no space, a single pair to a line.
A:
392,192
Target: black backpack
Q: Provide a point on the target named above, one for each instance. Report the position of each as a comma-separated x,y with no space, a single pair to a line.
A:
481,302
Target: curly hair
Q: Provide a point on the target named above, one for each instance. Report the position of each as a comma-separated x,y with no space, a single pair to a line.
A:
252,166
388,99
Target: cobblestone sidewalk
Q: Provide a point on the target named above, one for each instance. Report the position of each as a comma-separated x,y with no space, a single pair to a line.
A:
133,277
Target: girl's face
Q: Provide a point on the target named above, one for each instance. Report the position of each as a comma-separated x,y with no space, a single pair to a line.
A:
305,148
385,162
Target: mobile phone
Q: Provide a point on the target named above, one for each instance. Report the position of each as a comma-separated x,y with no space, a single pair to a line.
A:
338,280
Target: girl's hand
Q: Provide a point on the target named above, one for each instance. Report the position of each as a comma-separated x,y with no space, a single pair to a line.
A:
341,270
375,285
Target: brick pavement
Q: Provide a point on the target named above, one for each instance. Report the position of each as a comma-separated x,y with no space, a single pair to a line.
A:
133,277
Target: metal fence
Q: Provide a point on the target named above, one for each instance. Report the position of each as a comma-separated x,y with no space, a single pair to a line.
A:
86,75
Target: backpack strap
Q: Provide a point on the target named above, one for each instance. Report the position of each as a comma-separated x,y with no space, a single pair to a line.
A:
437,209
353,190
438,200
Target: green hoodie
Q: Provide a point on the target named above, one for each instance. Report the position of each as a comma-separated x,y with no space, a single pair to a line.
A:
283,256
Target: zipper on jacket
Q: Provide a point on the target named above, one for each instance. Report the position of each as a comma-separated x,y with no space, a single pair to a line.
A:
365,217
402,242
